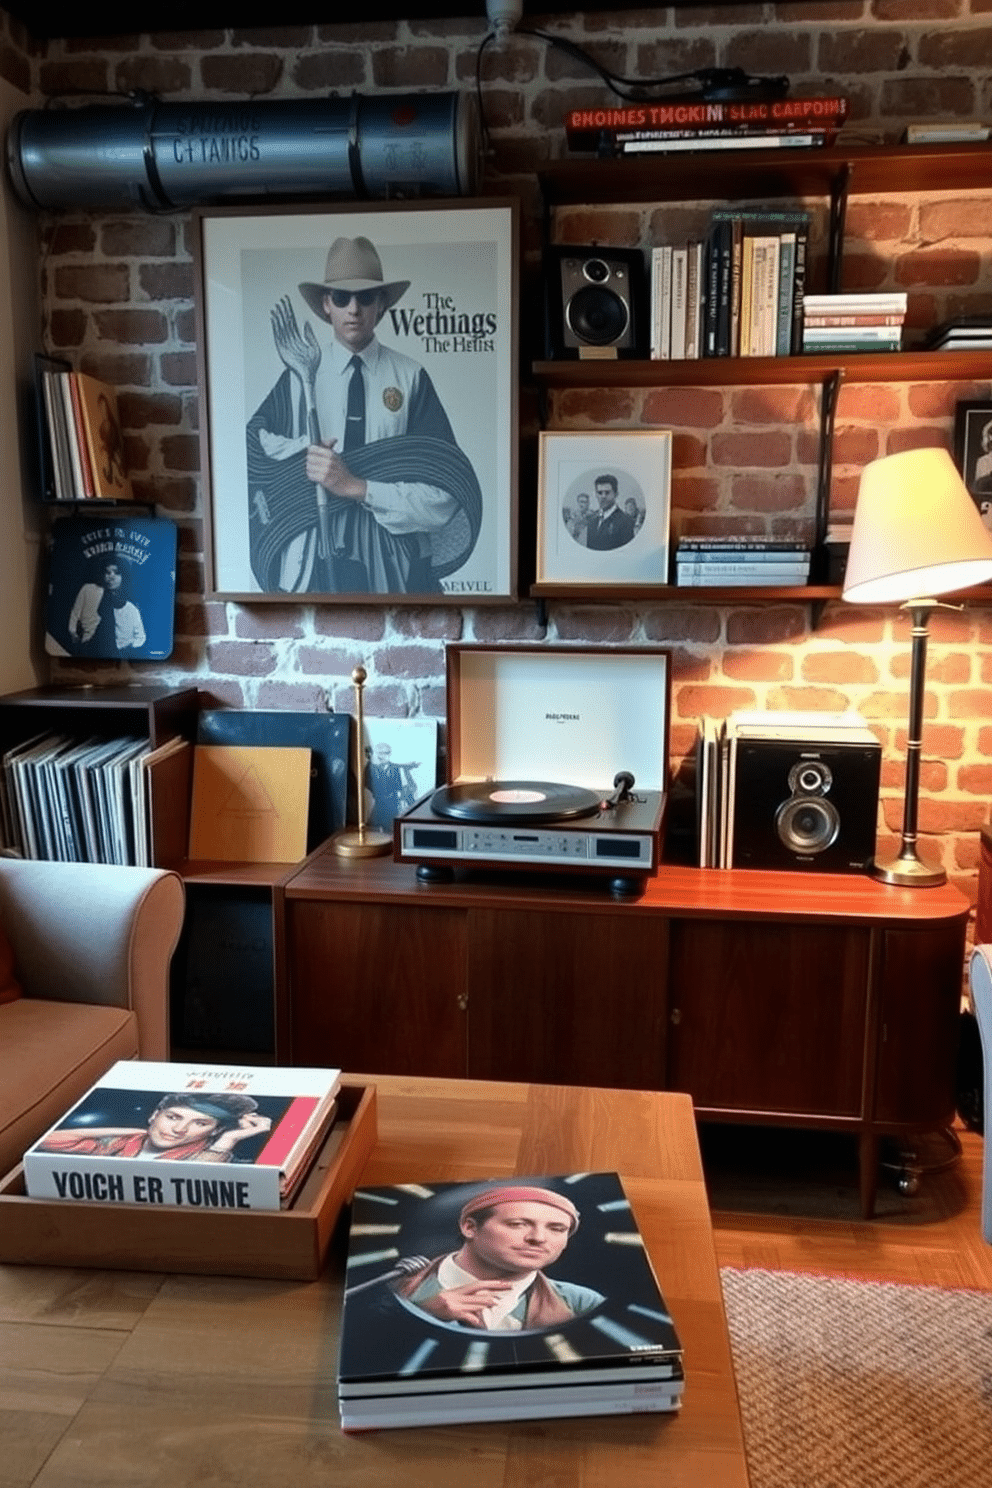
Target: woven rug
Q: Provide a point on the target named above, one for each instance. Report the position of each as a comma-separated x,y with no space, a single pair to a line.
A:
851,1384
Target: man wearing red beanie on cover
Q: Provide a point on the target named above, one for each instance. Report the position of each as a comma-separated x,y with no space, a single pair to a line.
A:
511,1233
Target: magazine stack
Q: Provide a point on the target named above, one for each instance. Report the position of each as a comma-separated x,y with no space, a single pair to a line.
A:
502,1300
202,1136
854,322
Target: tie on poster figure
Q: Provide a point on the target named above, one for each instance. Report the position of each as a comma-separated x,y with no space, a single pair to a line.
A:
365,842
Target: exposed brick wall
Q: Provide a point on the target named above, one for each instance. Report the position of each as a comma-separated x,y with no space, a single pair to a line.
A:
117,299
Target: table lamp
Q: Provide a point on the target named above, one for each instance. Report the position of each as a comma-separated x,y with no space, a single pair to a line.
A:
917,533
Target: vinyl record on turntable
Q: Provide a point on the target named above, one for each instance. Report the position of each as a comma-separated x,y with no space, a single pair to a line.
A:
508,801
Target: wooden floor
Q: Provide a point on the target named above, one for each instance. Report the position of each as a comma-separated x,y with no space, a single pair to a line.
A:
790,1202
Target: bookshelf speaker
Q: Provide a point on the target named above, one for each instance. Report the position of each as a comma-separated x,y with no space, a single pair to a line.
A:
594,300
805,804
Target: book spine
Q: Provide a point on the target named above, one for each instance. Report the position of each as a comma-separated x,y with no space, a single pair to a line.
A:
702,142
680,271
661,308
693,298
152,1182
740,575
820,109
820,321
798,289
786,276
72,434
78,420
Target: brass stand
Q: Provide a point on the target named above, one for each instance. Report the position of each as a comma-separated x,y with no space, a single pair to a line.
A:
365,842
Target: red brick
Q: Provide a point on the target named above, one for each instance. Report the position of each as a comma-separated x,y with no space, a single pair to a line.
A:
844,668
686,624
170,281
301,697
808,699
242,658
410,67
336,663
329,67
513,623
684,408
766,450
158,75
712,701
100,284
243,75
758,666
596,406
132,327
765,625
976,780
597,624
943,266
350,622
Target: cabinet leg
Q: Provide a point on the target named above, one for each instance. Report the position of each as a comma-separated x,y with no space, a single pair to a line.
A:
868,1172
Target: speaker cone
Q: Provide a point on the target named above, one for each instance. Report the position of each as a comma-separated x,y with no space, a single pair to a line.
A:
597,316
807,824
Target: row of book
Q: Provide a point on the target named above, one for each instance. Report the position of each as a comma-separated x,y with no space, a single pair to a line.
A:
737,292
84,441
694,125
745,561
79,801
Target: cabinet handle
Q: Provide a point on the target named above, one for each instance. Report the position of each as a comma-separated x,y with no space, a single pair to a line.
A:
676,1016
462,1000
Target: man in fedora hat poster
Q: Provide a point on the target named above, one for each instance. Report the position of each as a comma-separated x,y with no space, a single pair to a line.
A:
356,481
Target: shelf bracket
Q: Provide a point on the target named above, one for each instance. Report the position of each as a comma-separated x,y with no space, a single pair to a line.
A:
839,191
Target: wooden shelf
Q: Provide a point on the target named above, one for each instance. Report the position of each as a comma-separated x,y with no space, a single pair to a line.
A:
874,366
742,175
686,593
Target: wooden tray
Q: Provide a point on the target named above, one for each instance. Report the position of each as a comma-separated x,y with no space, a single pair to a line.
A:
290,1244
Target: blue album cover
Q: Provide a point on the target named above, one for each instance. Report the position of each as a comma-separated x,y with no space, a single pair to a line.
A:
112,587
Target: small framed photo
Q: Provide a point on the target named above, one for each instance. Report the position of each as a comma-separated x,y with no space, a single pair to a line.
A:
973,453
358,375
604,507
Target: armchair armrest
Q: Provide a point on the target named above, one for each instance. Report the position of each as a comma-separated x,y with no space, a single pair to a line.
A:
83,932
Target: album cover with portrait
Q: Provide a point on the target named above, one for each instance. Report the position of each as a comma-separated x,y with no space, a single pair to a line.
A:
112,587
502,1299
196,1136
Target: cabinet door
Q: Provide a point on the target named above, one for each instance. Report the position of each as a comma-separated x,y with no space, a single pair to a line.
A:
375,988
769,1017
919,1024
567,999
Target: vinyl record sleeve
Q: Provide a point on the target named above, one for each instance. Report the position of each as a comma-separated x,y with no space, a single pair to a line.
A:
111,587
607,1323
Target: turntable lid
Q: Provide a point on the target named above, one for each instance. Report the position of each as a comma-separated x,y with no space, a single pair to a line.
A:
570,714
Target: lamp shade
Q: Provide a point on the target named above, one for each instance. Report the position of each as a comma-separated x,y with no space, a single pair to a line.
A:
917,531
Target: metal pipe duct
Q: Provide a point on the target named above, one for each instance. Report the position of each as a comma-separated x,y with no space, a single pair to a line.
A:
167,156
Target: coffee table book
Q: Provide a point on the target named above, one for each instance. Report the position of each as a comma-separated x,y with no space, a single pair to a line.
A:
286,1244
203,1136
589,1333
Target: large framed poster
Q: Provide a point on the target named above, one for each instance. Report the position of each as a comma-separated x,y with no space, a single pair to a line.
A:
359,401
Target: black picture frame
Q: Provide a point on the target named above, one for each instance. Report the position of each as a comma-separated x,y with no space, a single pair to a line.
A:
973,452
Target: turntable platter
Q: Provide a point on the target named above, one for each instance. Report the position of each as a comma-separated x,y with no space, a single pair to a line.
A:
507,801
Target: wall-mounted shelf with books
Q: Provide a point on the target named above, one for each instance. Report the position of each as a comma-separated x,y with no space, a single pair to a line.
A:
834,173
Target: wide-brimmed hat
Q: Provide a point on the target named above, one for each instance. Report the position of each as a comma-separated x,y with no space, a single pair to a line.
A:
352,264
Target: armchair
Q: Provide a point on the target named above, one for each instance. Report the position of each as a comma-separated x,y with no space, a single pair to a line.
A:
91,947
980,978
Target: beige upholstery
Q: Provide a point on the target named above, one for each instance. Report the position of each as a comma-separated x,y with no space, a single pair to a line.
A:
92,947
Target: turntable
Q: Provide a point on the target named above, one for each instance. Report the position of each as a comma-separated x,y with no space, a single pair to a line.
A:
533,734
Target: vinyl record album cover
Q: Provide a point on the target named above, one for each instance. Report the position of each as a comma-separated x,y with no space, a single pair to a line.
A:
502,1299
182,1135
111,587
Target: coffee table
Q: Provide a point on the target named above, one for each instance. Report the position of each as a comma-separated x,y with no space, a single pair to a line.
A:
134,1380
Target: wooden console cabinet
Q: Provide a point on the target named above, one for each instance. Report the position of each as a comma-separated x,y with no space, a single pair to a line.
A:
821,1000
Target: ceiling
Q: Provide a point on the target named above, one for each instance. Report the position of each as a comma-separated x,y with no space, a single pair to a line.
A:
46,19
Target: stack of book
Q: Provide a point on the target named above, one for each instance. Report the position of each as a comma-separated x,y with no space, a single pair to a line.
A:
82,442
694,125
741,561
739,292
582,1329
853,322
966,333
198,1136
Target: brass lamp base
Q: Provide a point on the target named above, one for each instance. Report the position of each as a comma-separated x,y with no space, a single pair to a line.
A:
362,844
908,872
